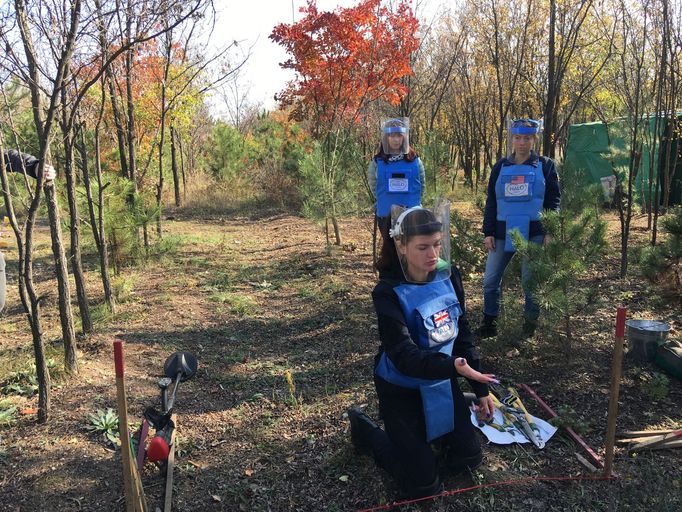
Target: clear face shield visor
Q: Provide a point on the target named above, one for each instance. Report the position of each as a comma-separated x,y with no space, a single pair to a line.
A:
395,135
524,128
422,241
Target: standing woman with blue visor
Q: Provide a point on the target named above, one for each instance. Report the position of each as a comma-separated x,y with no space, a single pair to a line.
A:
521,187
426,344
395,174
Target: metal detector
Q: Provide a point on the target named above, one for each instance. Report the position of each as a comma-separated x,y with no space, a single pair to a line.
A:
180,366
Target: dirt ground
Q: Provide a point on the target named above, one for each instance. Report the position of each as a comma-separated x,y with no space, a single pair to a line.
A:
257,297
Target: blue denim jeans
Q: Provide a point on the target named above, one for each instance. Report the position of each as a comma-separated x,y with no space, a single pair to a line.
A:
495,266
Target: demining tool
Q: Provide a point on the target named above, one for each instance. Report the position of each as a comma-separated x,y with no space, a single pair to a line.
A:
179,367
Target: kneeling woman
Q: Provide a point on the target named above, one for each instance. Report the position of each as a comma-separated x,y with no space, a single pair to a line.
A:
426,343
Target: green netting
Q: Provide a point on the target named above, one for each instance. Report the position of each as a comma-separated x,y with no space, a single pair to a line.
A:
595,152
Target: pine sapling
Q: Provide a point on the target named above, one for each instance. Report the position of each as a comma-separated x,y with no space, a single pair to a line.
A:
573,243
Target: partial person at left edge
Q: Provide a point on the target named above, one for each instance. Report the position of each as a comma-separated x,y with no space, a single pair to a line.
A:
15,161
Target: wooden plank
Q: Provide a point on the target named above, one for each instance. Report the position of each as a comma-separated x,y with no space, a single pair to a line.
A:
646,433
168,499
656,441
676,443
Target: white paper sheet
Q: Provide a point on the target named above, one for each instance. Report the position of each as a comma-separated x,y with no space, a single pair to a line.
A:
511,434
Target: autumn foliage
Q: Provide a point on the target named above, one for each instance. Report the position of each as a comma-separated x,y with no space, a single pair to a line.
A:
346,59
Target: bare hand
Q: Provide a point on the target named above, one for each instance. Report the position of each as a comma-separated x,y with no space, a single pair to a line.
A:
467,371
489,242
484,409
50,173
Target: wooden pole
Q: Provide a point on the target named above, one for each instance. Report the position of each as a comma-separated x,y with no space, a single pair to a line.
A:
616,365
134,493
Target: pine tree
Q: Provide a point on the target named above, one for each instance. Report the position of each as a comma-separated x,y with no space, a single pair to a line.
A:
575,241
662,263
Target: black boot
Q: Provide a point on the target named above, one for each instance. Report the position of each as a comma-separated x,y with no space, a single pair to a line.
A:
361,427
528,329
459,464
414,492
488,328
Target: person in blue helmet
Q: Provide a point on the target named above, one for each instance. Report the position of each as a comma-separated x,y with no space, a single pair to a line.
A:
14,161
426,344
396,173
520,188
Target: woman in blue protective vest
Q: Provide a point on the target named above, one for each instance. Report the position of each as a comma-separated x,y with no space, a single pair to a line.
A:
426,343
395,174
520,188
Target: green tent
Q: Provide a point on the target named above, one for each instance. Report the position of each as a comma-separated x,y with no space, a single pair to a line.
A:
594,152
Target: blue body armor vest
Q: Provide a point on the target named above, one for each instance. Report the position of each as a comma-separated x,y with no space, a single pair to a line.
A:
397,183
432,312
520,191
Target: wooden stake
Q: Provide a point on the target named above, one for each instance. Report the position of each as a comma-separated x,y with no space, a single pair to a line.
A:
134,493
169,469
616,365
646,433
655,441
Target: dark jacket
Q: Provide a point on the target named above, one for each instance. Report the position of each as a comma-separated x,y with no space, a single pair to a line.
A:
498,229
14,160
405,354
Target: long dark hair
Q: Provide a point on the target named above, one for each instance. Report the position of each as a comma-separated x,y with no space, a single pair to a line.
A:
408,157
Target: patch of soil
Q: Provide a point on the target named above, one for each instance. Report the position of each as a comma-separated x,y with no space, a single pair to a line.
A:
285,335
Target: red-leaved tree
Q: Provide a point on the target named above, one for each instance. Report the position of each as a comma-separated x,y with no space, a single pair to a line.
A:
344,61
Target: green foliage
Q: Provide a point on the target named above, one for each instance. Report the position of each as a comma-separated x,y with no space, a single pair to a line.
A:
22,382
266,160
467,250
326,179
7,412
230,151
104,423
239,304
577,194
575,243
122,288
567,417
435,156
662,264
655,385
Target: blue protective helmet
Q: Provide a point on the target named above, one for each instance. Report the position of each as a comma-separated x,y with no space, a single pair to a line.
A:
395,126
525,127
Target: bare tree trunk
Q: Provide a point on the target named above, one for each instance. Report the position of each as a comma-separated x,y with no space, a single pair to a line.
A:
65,315
27,293
164,110
337,233
43,131
97,221
75,251
552,93
182,168
174,166
130,121
116,110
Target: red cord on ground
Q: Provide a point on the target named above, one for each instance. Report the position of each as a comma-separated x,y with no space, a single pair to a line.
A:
483,486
